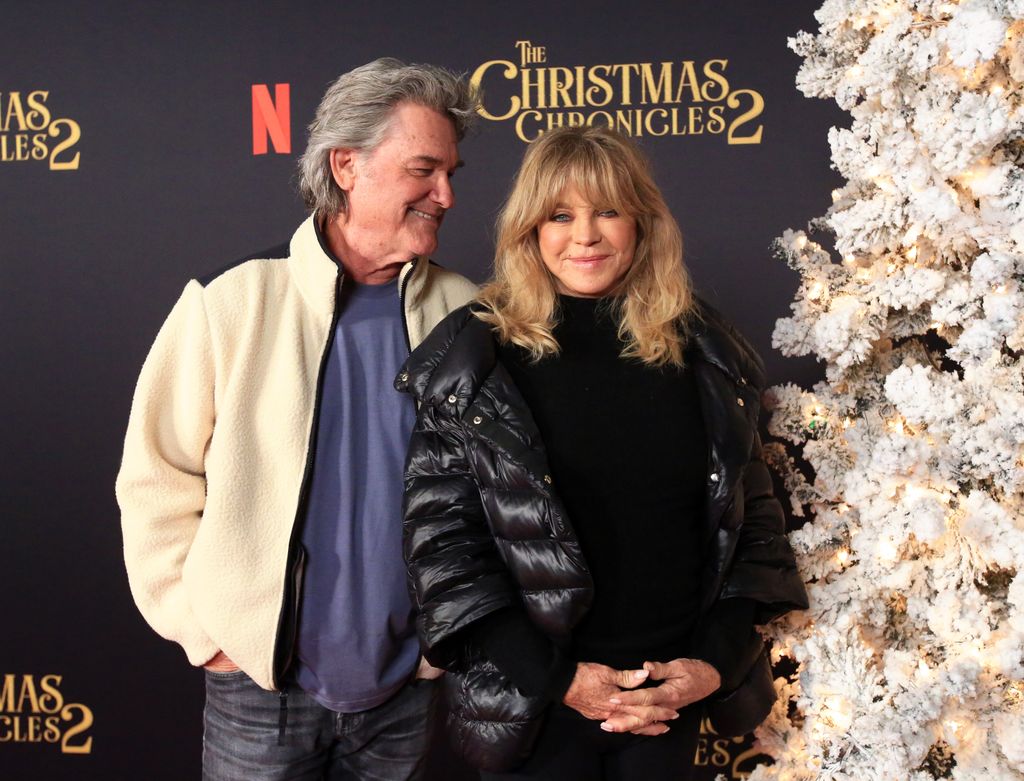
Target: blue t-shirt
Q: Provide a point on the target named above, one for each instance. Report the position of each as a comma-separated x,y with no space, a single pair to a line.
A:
357,641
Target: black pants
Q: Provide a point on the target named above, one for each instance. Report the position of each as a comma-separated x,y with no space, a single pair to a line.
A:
573,748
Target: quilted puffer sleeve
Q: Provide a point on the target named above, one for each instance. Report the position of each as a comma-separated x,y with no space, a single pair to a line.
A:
764,566
455,573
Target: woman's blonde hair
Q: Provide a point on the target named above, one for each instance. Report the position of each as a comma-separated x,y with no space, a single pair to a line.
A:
654,300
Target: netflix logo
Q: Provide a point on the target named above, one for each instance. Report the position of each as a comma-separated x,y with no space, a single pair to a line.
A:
271,119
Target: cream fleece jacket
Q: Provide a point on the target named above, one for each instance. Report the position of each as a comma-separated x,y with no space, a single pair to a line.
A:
218,439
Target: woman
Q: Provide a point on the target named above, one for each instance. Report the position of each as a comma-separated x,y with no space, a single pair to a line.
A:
589,527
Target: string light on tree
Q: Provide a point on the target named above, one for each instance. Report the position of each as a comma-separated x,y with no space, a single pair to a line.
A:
910,661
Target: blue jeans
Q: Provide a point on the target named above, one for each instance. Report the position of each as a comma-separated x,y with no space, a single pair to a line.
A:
251,734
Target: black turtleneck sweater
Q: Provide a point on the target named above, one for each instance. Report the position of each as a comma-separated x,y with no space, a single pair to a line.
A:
628,455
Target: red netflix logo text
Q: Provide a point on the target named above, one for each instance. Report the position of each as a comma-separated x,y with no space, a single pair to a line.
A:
271,119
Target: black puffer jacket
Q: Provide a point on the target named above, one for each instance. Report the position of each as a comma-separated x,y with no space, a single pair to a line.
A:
484,528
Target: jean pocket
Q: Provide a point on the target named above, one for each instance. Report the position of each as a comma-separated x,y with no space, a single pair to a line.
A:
218,675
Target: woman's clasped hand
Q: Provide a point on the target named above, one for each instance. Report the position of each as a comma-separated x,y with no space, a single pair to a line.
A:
620,699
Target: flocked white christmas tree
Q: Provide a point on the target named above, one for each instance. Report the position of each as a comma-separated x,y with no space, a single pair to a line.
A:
911,658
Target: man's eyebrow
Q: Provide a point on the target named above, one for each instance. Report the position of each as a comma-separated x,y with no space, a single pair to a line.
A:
435,161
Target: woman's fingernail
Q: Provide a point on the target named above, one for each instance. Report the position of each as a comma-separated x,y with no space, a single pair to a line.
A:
615,701
606,726
640,674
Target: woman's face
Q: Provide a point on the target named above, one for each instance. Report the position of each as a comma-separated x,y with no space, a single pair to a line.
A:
588,247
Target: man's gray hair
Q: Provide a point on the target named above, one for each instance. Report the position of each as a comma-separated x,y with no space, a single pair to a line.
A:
355,113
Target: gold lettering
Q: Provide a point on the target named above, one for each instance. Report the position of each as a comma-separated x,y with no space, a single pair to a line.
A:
560,88
530,54
599,86
609,120
521,119
524,48
66,746
754,111
720,752
700,759
656,92
624,121
7,694
34,723
21,729
688,80
714,77
39,150
52,700
555,120
696,122
14,108
51,732
536,84
74,133
647,122
676,129
716,122
510,72
28,691
580,83
626,71
40,113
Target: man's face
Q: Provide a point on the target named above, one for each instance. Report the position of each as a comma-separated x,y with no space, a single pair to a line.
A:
397,193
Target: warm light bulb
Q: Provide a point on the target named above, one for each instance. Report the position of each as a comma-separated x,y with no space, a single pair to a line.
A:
855,71
801,241
912,253
842,557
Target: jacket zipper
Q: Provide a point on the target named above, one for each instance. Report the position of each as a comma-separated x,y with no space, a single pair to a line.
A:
401,304
288,619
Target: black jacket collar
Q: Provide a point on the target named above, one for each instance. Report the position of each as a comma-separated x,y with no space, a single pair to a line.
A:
459,354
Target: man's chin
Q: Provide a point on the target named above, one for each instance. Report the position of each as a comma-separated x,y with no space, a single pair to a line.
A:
425,248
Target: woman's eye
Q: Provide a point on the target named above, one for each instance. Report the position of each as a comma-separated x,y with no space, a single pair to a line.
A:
421,171
608,213
560,218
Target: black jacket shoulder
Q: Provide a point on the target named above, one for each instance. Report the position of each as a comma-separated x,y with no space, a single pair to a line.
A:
720,343
454,358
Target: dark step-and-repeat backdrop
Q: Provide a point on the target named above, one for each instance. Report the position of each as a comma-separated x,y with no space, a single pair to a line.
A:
144,143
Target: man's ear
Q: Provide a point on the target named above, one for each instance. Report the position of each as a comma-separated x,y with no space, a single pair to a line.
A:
343,167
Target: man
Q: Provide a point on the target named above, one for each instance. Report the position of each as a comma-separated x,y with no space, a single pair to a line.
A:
260,486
